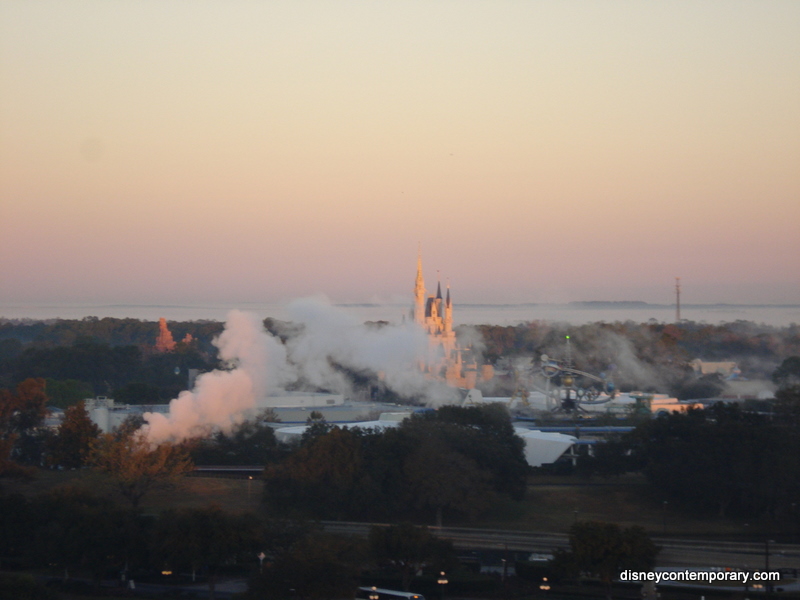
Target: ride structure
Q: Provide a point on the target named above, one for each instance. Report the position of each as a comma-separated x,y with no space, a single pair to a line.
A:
568,389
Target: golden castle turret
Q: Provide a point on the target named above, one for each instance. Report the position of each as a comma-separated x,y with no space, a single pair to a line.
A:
447,361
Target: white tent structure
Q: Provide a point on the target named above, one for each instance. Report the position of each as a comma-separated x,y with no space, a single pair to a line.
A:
543,448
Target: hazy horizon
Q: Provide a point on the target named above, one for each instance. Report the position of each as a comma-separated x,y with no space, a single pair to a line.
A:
176,153
575,313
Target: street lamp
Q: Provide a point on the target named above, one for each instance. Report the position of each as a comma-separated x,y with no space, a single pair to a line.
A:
249,485
545,585
442,581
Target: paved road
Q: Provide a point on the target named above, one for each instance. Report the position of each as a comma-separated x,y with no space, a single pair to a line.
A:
674,553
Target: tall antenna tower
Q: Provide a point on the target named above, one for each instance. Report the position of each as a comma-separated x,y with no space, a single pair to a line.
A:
677,299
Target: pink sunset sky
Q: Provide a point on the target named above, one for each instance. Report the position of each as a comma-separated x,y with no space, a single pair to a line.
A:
242,151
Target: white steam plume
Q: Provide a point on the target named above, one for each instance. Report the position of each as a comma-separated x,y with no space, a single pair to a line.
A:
621,351
261,364
394,351
220,398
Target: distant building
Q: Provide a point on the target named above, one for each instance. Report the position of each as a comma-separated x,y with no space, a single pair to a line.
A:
727,369
447,361
107,414
663,404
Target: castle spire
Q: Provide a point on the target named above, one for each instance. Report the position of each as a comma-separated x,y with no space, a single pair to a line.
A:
419,291
448,311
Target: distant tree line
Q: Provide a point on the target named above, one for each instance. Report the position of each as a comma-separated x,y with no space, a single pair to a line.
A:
108,330
110,357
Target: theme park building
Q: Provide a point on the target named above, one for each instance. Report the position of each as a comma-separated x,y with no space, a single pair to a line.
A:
447,360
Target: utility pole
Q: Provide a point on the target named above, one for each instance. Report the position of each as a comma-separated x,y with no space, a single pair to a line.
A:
677,299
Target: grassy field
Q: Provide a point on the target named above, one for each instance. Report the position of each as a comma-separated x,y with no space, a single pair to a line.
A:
234,495
553,503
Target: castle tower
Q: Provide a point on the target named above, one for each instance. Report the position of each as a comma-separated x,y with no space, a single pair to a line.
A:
419,293
438,303
446,360
448,312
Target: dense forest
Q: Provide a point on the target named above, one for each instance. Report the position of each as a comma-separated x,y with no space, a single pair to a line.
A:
110,357
456,460
722,460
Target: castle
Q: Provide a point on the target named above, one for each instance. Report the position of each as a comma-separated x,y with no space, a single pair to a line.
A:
447,361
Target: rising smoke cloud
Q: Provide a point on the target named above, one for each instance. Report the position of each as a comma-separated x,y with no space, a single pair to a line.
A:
220,398
259,364
632,360
628,368
330,334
